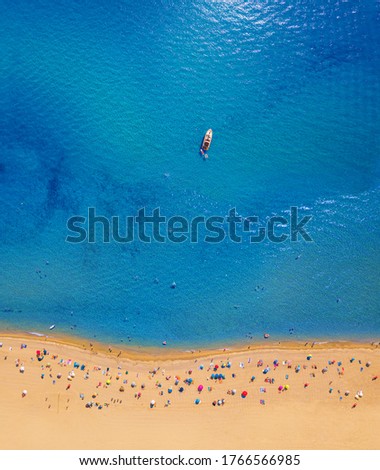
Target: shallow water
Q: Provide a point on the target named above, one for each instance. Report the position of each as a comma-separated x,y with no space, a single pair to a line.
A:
100,102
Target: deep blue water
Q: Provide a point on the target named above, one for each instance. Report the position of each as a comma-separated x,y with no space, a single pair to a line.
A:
100,100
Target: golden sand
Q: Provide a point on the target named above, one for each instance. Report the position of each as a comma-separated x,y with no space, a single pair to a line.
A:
321,409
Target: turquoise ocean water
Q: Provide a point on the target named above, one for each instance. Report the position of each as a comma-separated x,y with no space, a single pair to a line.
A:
104,104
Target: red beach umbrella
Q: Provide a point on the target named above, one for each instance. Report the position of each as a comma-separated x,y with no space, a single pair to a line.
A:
244,394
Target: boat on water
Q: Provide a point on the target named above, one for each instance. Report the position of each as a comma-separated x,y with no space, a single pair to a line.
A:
207,140
52,327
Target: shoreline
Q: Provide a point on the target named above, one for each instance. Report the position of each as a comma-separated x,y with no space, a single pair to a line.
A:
167,353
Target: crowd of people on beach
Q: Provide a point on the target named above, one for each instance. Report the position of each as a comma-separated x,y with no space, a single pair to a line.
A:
158,387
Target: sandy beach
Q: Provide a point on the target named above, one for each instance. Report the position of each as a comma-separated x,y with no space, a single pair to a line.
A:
83,396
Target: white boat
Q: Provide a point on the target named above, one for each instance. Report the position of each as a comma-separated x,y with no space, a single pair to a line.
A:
207,140
52,327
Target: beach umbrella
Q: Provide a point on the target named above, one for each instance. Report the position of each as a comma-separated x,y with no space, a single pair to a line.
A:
152,403
233,391
24,393
244,394
197,401
181,389
121,389
309,357
133,384
190,381
22,369
275,362
253,378
266,370
108,382
170,390
280,388
201,367
286,387
200,388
